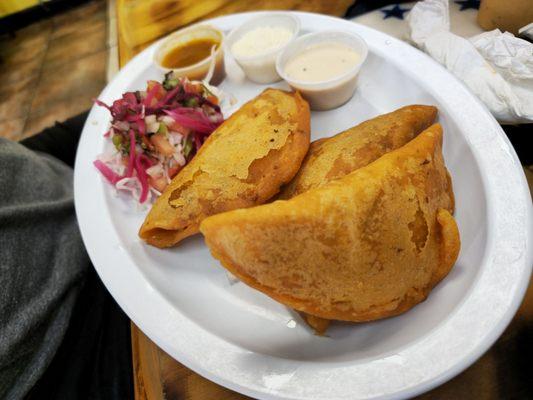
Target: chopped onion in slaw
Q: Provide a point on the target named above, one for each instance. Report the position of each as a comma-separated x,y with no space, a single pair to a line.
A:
156,132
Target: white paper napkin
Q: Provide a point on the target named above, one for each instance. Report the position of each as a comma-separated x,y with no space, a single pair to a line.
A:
496,66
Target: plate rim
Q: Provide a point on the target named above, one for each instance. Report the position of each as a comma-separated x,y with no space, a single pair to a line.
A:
82,205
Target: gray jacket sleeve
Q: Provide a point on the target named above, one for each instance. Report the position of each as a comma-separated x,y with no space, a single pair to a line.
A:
42,263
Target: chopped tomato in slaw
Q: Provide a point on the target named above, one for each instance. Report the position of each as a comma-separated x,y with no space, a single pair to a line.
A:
156,132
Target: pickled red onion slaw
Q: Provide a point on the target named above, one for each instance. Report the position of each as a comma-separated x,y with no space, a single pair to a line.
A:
156,132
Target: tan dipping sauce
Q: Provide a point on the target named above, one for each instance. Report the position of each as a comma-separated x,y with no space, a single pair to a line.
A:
322,62
189,53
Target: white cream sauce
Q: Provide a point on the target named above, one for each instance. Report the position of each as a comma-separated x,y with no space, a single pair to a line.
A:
261,40
322,62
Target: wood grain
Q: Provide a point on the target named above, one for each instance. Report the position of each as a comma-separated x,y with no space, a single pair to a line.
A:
146,366
158,376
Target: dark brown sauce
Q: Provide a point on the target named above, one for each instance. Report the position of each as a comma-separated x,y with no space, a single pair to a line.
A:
189,53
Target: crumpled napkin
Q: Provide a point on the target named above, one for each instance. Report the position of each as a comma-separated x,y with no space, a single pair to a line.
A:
496,66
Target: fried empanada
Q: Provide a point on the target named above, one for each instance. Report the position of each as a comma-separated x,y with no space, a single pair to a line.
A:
334,157
367,246
242,164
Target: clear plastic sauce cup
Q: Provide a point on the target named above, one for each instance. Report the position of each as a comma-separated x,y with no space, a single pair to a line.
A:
199,70
333,92
261,68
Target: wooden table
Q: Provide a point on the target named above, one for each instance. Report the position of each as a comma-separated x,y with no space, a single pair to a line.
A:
501,372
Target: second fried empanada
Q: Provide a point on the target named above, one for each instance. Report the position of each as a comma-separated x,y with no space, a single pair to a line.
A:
333,157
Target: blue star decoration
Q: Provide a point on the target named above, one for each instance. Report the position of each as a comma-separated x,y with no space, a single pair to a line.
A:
468,4
394,12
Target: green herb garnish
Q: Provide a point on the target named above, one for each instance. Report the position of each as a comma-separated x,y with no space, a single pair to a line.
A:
187,147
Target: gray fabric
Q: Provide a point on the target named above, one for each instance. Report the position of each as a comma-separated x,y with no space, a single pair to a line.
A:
42,263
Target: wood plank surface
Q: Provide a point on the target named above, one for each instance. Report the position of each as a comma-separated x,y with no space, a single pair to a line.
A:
147,371
158,376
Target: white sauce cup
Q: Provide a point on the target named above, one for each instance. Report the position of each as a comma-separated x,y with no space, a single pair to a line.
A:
331,93
261,68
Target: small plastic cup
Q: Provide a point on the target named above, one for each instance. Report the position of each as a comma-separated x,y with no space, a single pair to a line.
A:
261,68
331,93
199,70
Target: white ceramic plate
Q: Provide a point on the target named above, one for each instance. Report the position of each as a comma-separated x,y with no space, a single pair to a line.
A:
183,300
